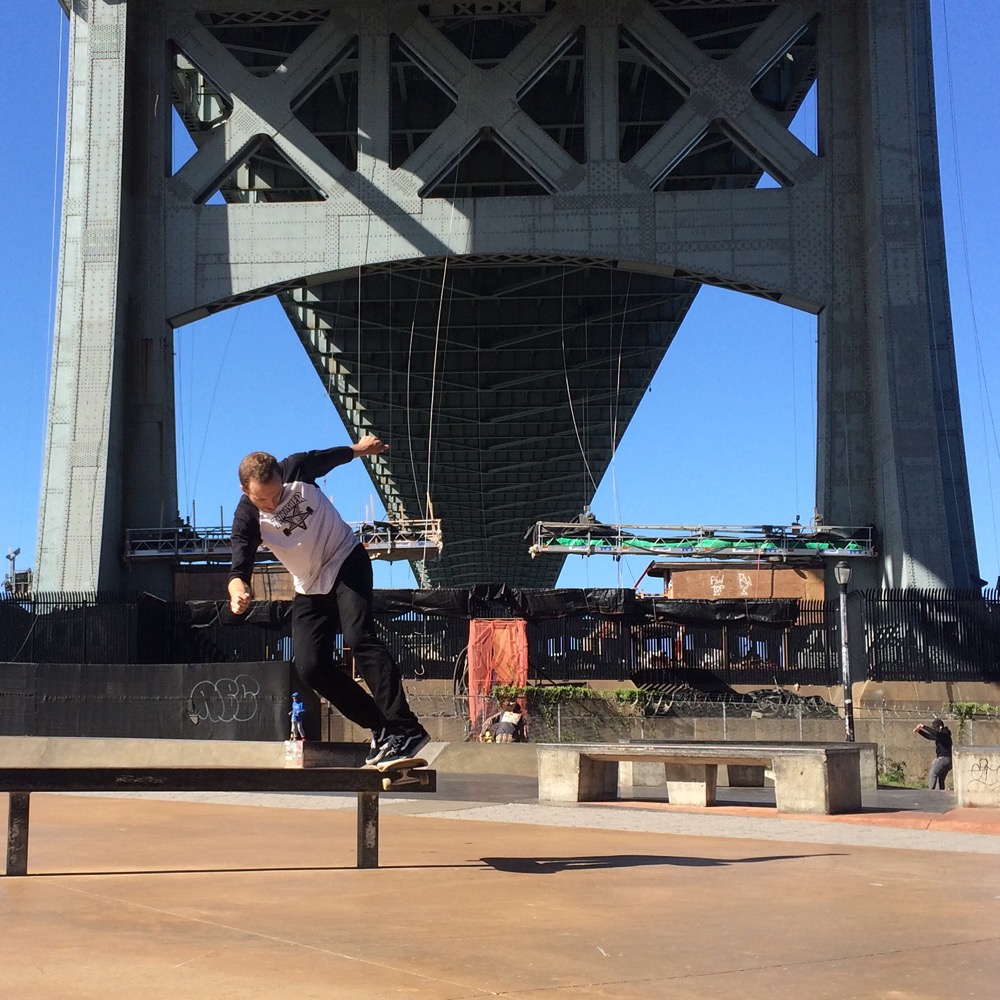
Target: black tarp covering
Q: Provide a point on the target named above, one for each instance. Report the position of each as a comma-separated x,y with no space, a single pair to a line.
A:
445,603
488,600
499,600
537,605
245,701
264,614
777,612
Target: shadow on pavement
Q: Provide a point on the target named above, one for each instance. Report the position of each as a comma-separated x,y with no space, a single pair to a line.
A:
550,866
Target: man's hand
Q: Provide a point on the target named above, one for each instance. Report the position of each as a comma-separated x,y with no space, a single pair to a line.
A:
239,597
369,445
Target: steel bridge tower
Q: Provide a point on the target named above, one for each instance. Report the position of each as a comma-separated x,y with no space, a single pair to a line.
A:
470,210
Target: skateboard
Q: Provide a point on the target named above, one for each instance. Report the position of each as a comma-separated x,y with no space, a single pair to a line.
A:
400,773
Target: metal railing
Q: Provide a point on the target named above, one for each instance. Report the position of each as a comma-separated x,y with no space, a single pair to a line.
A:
412,540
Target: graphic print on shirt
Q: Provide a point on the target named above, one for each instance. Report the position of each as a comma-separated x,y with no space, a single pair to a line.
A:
292,515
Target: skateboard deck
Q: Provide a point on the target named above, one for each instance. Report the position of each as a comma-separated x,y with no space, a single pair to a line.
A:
400,773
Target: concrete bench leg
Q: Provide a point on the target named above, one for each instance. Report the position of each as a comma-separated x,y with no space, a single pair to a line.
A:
368,829
746,775
691,784
634,774
844,788
816,784
869,769
17,833
568,776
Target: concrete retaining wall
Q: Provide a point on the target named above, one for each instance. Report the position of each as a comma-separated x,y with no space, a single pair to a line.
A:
977,776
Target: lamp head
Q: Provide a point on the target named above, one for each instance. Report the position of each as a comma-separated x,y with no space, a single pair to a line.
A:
842,572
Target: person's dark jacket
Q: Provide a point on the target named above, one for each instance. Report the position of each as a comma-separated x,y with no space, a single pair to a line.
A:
941,738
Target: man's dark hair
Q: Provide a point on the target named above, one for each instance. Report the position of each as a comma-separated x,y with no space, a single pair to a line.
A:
258,467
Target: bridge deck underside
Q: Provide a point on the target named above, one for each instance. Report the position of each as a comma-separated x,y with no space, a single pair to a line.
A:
501,387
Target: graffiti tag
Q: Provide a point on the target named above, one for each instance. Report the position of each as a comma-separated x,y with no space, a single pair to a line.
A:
987,776
228,699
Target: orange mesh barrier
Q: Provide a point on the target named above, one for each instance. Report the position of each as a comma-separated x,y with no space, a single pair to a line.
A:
498,654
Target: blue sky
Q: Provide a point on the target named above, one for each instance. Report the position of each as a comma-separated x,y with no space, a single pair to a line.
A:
739,378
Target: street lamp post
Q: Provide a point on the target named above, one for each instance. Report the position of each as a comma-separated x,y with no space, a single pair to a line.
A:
842,573
12,555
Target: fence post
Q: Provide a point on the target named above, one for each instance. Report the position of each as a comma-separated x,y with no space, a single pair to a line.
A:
725,732
883,749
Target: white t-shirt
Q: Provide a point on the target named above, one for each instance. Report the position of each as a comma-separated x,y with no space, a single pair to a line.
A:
305,532
308,536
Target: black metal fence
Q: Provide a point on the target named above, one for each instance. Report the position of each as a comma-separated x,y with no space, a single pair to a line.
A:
932,635
895,635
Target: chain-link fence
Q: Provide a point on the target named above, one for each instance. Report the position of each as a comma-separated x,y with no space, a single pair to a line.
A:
565,714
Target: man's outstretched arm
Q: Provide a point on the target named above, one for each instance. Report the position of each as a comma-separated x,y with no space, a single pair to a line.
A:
312,465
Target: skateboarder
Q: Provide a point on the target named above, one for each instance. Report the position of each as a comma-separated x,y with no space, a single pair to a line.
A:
284,509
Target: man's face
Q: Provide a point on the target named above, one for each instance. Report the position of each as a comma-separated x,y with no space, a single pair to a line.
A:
265,496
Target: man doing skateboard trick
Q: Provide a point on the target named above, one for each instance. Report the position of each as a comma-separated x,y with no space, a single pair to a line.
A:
284,509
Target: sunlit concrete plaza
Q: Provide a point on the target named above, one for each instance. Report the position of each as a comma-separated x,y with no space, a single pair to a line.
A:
483,891
486,224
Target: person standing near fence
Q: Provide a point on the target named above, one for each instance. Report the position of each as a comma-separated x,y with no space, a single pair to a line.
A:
298,714
941,765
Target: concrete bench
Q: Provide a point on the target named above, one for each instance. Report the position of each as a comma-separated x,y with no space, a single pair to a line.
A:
808,778
20,782
976,776
638,775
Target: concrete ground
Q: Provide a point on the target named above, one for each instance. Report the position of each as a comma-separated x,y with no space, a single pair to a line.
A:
483,892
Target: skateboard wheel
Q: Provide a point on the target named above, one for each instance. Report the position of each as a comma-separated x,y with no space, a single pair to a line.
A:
386,784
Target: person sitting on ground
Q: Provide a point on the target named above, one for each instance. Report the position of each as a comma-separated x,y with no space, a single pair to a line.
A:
941,764
506,726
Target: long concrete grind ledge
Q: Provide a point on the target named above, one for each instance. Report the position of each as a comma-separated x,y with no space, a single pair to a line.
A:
82,751
514,759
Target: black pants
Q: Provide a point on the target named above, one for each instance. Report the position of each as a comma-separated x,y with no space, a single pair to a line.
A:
315,620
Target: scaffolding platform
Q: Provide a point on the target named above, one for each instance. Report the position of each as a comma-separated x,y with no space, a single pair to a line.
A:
709,541
409,540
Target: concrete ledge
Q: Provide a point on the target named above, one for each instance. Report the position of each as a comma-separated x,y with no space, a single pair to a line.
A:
647,775
518,759
81,751
976,775
820,779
